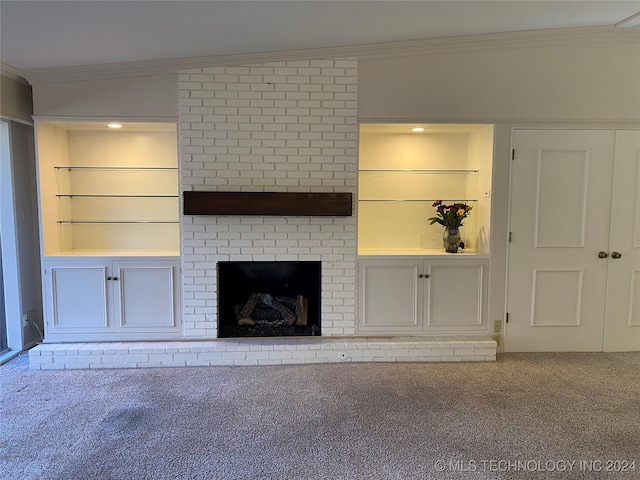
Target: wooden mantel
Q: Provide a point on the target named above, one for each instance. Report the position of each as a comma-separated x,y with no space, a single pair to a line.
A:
268,204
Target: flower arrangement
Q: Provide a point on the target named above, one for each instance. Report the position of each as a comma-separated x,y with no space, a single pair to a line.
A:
450,216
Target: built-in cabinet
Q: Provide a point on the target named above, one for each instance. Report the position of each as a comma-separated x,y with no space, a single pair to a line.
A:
406,282
109,218
104,299
422,295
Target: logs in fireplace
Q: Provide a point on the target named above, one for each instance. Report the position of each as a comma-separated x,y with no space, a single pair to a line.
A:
268,299
265,309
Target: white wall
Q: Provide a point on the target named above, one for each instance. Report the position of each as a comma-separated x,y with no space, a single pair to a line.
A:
588,81
153,97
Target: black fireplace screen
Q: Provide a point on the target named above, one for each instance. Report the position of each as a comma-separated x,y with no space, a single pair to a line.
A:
269,299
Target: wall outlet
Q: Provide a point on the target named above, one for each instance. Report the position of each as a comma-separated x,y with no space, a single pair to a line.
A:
497,326
498,340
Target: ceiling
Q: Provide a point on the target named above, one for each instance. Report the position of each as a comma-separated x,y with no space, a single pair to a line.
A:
44,34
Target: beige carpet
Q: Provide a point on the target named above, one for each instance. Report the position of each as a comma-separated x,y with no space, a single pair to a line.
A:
520,417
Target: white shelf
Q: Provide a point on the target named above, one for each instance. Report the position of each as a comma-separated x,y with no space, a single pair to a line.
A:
120,222
110,167
115,253
427,200
83,195
417,252
418,171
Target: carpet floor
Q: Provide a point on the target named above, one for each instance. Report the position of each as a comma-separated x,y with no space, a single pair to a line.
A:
525,416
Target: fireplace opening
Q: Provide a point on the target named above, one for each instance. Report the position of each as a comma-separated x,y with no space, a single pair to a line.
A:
269,299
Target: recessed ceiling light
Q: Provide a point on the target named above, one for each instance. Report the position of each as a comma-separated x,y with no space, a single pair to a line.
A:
114,125
417,129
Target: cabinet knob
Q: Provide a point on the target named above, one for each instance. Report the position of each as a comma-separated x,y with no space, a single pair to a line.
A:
426,275
108,278
602,255
421,276
616,255
115,278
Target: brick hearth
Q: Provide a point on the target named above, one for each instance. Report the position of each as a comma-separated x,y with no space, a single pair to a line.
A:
279,351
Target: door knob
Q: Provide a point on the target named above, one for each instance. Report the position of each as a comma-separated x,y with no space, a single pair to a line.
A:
616,255
602,255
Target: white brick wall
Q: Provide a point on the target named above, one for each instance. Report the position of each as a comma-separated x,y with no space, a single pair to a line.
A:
276,127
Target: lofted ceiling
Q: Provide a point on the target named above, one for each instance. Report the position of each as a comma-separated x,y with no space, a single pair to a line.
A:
46,34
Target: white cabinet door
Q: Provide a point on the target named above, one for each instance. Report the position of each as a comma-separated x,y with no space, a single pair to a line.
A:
422,296
455,295
622,319
77,299
390,296
145,296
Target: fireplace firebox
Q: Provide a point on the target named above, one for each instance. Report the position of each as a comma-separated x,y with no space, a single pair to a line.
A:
269,299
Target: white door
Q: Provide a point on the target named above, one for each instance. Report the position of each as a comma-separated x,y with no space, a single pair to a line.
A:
76,297
390,297
559,222
622,321
145,296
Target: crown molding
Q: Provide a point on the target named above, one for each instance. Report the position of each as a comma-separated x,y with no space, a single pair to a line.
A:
8,71
467,43
541,123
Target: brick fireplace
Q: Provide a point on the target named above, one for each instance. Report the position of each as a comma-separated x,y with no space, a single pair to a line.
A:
275,127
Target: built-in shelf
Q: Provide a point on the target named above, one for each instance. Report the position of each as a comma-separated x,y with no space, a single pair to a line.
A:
418,252
401,175
416,200
100,222
412,171
82,195
107,167
108,191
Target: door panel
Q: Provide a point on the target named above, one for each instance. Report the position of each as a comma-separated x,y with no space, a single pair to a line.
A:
556,298
78,298
560,208
145,300
622,321
554,227
391,297
455,295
